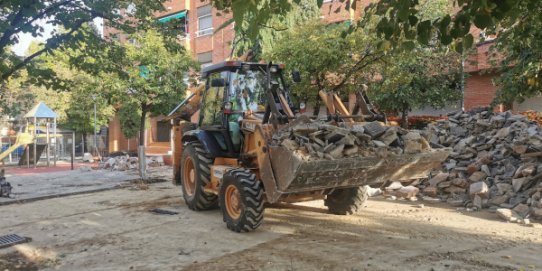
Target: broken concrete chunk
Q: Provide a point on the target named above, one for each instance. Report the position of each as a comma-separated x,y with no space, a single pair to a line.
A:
478,188
438,179
374,129
522,210
430,191
518,183
290,144
477,202
337,152
351,151
394,186
508,215
407,192
477,176
389,136
412,146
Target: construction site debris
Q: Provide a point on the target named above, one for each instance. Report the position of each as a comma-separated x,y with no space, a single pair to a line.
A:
496,163
87,157
5,187
85,168
313,140
127,162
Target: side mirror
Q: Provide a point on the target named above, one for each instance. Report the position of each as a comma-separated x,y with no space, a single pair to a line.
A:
218,82
296,76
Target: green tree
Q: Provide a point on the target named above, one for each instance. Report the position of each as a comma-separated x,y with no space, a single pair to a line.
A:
149,77
425,76
15,98
326,59
521,52
29,16
270,32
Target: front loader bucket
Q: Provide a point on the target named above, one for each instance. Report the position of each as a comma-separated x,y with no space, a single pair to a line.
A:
293,174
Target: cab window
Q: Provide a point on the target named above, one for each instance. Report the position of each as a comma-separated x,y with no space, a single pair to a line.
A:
211,110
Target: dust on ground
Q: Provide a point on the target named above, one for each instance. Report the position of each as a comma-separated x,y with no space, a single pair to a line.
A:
114,230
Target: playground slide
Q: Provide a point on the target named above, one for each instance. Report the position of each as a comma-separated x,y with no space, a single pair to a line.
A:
22,139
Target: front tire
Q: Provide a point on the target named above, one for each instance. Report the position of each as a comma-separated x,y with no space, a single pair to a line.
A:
195,175
346,201
241,200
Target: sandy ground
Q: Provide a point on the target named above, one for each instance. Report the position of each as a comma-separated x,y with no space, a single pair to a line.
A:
29,186
114,230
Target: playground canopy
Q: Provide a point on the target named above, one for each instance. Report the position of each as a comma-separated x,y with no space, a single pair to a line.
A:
41,111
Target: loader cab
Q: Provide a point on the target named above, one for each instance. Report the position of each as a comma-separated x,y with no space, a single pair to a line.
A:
232,90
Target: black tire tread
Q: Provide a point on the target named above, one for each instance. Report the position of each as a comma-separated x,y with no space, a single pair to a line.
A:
252,197
346,201
202,200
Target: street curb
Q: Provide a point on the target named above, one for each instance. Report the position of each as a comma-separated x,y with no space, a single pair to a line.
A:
118,186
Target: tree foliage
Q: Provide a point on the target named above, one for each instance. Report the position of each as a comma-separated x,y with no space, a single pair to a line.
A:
519,46
327,60
268,34
147,77
401,19
30,16
423,77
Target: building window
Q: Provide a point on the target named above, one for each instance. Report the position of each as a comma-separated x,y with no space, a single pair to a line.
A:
205,59
205,21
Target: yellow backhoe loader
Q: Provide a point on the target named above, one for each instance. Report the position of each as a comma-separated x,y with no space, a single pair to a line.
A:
233,156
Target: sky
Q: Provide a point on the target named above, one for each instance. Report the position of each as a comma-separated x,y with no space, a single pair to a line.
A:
25,39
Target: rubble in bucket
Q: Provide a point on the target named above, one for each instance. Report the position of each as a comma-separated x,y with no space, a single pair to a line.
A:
496,163
311,140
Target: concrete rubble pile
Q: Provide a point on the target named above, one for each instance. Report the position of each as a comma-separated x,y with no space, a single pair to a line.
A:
496,162
311,140
126,162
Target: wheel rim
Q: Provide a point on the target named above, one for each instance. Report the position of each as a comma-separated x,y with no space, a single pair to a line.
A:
189,176
233,201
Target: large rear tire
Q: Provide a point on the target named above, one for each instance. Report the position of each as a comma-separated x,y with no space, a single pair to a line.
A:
241,200
195,175
346,201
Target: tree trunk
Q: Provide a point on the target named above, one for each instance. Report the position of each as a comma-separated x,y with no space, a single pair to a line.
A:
317,105
141,147
404,119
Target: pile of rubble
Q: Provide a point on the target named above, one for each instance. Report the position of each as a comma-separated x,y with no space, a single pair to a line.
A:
496,163
127,162
312,140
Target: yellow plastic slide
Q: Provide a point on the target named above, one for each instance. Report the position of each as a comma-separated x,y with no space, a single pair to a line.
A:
22,139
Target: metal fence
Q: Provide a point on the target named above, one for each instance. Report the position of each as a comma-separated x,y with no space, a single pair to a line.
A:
60,148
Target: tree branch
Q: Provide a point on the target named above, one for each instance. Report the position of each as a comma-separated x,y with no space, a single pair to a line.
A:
356,68
10,30
48,46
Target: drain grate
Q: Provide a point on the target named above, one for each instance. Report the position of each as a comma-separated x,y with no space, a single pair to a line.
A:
11,240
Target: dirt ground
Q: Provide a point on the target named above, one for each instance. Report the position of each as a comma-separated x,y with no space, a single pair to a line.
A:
114,230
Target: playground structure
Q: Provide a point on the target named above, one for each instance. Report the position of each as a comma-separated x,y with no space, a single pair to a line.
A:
36,137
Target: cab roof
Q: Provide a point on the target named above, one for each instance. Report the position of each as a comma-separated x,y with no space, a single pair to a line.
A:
231,65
